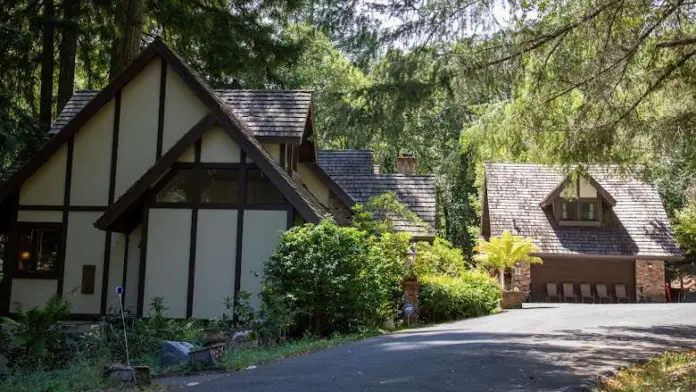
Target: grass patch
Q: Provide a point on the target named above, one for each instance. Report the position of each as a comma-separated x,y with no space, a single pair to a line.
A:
78,377
670,372
237,359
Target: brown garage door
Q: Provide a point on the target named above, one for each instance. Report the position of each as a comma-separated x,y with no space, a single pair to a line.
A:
580,270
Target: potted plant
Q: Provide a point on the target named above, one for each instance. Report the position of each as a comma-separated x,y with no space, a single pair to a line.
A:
502,253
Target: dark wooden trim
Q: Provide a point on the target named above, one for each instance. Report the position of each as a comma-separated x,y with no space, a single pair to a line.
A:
212,165
10,263
220,206
291,218
240,233
106,266
160,114
139,187
282,155
66,214
556,192
124,278
544,255
143,260
74,125
28,207
194,232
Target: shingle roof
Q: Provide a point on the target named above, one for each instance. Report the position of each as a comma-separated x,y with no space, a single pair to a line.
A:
267,113
514,193
352,171
345,162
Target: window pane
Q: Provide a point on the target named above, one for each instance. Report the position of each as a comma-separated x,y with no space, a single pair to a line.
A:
38,250
47,257
568,211
587,210
180,189
220,186
260,190
25,250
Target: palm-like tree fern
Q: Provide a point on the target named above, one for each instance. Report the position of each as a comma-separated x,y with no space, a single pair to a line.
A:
505,251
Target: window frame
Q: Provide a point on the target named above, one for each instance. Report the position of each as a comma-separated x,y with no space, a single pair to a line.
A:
577,219
60,258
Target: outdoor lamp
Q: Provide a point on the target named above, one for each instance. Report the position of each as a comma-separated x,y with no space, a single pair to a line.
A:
411,257
24,256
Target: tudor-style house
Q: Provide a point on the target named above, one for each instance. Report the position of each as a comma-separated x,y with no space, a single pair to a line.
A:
602,228
170,189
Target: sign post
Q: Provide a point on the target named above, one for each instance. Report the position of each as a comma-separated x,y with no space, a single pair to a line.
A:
408,310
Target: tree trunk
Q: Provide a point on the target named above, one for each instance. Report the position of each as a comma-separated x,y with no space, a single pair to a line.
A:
502,278
68,52
46,96
126,46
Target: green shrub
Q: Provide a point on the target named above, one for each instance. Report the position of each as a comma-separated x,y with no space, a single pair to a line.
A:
440,258
444,298
328,276
35,338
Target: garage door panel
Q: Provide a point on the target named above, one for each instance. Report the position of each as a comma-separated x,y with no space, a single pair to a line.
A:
578,271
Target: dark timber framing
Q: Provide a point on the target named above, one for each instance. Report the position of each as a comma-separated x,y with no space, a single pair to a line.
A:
240,232
160,118
194,230
112,189
143,260
27,207
124,278
66,214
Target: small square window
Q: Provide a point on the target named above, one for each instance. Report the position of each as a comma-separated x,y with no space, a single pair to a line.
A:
180,189
260,190
38,250
568,210
220,186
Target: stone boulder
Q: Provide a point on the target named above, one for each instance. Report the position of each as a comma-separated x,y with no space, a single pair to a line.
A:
175,353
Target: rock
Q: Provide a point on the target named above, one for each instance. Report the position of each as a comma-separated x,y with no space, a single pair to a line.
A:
241,336
213,339
119,374
174,353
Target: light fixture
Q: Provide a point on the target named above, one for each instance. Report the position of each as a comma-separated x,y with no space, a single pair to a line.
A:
411,259
24,256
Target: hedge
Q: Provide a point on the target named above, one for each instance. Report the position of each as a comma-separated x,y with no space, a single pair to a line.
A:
444,298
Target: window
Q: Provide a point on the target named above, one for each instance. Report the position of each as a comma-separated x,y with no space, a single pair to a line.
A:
260,190
587,210
38,249
179,189
220,186
568,210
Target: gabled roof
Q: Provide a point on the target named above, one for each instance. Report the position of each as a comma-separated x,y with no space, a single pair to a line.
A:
556,192
345,162
352,171
307,206
268,113
310,208
642,228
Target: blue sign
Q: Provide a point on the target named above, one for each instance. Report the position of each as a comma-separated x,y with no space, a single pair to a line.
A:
409,309
119,290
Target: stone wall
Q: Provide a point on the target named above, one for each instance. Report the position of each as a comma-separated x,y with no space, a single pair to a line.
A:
650,280
522,281
340,212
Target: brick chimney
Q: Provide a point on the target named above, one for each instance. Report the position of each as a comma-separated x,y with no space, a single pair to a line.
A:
406,164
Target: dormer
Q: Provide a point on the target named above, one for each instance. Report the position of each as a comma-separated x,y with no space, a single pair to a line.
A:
578,200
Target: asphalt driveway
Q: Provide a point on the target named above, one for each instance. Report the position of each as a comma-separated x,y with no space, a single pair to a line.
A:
540,348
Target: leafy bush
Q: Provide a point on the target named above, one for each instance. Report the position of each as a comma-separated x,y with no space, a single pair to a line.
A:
440,258
389,252
444,298
377,215
328,276
35,338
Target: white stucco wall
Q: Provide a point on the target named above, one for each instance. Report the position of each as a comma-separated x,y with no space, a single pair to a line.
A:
133,271
39,216
29,293
215,262
189,156
137,135
586,189
218,146
182,109
91,165
261,232
47,185
273,149
314,184
166,273
118,248
85,246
